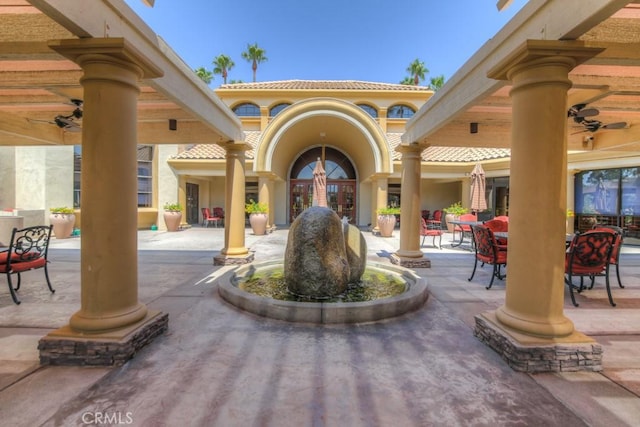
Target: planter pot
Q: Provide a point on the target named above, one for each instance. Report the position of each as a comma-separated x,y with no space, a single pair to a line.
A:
62,224
258,223
386,224
172,220
449,217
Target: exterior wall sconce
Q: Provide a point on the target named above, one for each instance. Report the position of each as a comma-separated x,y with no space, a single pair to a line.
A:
473,127
173,124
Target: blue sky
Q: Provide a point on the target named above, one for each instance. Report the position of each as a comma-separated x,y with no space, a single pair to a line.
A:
370,40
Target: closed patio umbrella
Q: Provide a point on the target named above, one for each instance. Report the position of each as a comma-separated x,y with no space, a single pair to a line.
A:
478,200
319,185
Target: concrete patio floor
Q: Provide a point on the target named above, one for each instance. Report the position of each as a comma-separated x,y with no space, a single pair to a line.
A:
218,366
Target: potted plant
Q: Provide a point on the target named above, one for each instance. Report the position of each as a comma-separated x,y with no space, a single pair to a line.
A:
258,217
172,216
387,220
453,212
62,218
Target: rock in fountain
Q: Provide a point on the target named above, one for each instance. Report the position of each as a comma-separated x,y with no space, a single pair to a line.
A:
317,262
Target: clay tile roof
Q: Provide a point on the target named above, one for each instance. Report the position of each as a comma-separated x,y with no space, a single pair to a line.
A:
431,154
452,154
323,85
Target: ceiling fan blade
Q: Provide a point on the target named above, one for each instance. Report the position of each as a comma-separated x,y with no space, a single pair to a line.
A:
588,112
616,125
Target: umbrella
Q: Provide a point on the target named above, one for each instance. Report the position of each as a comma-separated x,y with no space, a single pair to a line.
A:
319,185
478,201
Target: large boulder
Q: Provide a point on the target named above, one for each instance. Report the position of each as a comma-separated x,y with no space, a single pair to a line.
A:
315,260
356,247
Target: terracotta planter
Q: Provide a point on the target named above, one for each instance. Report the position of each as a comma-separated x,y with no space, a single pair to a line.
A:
448,217
386,225
258,223
172,220
62,224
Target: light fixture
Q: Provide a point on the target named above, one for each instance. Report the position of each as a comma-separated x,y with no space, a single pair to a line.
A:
173,124
473,127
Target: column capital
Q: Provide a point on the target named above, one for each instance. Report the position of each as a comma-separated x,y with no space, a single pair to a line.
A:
116,48
406,149
532,51
235,146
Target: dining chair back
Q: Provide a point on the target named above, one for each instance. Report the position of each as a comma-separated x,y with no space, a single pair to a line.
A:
617,247
498,225
488,251
589,255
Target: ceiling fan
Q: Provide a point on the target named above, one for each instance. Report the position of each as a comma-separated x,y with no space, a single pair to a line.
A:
67,122
579,115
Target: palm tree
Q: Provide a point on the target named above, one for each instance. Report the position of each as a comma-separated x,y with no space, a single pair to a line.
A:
417,70
255,55
436,82
222,64
407,81
204,74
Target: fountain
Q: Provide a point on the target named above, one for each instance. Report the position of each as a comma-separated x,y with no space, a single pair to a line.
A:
322,258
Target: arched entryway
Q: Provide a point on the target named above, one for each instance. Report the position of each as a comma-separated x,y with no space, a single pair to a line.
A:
341,182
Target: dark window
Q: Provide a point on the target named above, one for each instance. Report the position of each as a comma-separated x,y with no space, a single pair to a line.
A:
400,112
369,110
276,109
247,110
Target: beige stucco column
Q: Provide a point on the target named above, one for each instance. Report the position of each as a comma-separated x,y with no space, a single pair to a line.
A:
535,286
265,195
380,195
234,251
109,258
409,253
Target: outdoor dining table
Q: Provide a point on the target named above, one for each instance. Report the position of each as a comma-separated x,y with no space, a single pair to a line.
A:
505,235
458,222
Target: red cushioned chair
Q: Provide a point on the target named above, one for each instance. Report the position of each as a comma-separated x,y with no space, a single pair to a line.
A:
27,251
498,225
589,256
488,251
464,229
219,213
207,218
617,246
431,228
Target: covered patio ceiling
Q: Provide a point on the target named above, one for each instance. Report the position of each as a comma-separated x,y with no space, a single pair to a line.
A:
609,82
37,85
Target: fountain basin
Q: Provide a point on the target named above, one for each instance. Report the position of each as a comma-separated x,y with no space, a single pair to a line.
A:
415,295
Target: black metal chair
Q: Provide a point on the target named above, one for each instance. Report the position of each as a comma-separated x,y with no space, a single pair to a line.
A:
589,256
488,251
617,246
27,251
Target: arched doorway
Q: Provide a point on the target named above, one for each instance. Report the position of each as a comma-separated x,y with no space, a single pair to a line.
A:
341,183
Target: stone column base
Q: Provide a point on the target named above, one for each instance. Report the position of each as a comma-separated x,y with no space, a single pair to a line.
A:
410,262
233,259
67,347
539,354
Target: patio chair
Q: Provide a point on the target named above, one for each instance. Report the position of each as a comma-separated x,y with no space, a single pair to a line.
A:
589,255
488,251
617,246
431,228
464,229
498,225
218,212
27,251
207,218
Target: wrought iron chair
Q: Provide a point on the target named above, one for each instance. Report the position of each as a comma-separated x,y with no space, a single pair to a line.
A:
617,246
488,251
431,228
27,251
498,225
589,255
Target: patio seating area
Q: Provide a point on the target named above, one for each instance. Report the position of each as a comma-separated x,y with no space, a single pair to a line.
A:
221,366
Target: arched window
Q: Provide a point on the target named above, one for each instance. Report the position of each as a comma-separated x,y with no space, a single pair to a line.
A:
400,111
369,110
247,110
277,108
336,166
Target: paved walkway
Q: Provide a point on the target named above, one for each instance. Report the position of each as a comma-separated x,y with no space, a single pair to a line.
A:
218,366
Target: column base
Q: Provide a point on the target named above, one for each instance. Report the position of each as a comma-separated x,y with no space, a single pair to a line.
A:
233,259
65,347
407,262
576,352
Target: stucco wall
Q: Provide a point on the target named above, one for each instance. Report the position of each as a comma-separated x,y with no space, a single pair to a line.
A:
7,177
